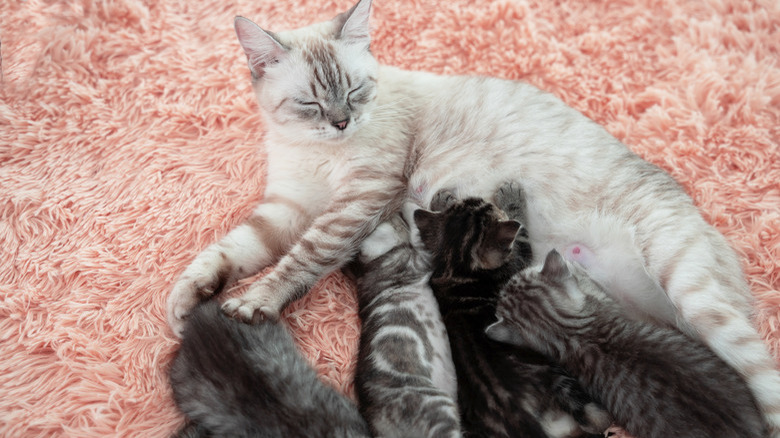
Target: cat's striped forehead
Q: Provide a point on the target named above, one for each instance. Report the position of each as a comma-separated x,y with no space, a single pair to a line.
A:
328,74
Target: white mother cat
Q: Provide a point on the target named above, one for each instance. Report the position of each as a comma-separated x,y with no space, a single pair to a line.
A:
348,140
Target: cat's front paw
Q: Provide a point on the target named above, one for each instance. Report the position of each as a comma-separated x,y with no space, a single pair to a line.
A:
443,199
510,197
200,281
253,307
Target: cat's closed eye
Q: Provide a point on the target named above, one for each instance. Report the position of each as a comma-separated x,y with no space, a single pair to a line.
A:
308,103
359,94
308,109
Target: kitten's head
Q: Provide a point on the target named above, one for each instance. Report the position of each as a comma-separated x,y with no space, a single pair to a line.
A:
468,238
317,83
539,304
386,237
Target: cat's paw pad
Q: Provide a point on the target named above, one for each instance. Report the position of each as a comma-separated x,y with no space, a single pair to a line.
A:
580,254
250,310
443,199
510,197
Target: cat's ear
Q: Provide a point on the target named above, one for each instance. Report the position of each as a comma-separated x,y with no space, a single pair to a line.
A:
427,223
260,47
355,27
555,267
501,331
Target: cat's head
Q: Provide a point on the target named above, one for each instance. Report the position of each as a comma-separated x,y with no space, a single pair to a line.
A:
538,302
317,83
468,238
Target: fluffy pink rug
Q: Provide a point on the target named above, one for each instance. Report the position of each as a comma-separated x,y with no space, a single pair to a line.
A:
129,140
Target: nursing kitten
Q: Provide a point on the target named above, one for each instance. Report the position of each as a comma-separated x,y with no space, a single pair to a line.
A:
405,379
349,140
655,381
502,391
233,379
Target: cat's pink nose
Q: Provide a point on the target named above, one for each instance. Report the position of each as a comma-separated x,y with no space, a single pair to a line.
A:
342,125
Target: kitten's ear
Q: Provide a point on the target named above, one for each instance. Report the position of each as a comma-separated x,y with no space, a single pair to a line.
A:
260,47
555,266
501,331
356,28
428,224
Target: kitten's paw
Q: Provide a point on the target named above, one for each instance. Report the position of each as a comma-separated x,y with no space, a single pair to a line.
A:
443,199
252,308
510,197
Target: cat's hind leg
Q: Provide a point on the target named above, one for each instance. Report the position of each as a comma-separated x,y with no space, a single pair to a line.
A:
703,278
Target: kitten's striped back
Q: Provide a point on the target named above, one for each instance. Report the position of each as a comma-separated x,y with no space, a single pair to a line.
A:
502,391
655,381
405,380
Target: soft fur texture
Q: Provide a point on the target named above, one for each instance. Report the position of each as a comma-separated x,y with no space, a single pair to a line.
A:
249,381
405,378
129,141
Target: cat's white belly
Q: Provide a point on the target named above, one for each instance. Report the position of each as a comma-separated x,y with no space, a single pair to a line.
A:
617,265
557,217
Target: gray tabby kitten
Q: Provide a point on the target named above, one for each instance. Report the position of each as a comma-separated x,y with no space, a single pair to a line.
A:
503,391
233,379
655,381
348,141
405,379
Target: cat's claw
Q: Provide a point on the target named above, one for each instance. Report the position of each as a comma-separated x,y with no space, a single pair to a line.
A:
249,311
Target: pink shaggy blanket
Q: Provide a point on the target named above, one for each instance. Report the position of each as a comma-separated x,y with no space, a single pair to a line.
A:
130,139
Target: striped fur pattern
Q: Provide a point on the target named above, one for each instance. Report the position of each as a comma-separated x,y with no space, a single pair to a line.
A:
233,379
323,196
656,381
405,378
503,391
349,140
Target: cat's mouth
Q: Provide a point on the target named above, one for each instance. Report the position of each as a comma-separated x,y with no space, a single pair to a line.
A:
335,134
